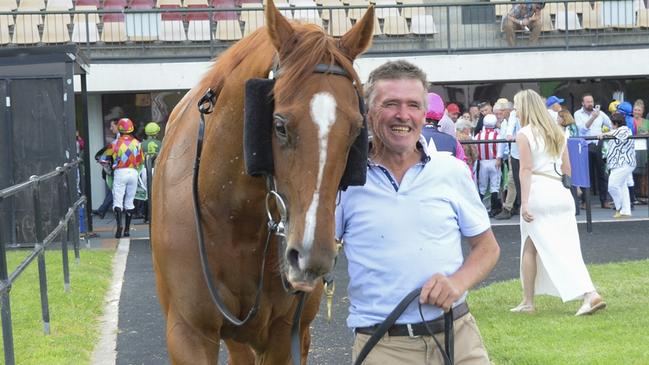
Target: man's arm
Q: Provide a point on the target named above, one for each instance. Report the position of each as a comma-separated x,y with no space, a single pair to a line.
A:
442,291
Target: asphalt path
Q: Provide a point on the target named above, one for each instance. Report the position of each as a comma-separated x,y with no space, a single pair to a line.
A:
141,326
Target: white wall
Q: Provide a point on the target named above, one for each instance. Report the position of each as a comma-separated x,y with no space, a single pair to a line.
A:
439,69
96,135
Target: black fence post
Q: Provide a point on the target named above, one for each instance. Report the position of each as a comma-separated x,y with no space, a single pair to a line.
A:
42,274
64,191
7,332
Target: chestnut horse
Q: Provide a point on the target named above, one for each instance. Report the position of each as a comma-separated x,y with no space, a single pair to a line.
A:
316,120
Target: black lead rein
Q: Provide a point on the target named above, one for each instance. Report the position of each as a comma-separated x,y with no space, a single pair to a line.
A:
383,328
205,106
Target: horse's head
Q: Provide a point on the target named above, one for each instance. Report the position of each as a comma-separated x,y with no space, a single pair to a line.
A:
316,120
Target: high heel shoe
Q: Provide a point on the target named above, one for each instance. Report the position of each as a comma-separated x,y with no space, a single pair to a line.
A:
523,308
591,306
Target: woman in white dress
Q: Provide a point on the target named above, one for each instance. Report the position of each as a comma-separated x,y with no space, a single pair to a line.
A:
551,261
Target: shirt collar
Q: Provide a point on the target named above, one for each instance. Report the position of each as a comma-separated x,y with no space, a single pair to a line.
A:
422,147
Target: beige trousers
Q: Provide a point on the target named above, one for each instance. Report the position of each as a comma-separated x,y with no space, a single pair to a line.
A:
404,350
511,190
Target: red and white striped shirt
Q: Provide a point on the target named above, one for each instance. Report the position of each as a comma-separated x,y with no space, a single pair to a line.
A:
488,151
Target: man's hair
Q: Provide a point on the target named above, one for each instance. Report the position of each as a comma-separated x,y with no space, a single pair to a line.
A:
585,95
618,119
483,104
394,70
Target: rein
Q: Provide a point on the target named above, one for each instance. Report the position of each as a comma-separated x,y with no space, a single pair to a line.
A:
392,318
206,106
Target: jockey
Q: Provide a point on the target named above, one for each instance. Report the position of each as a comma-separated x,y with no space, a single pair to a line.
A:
151,145
127,156
490,157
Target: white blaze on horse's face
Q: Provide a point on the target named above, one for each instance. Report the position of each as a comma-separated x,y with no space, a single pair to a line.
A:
323,114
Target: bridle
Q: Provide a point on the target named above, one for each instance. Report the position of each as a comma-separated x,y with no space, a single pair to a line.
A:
277,228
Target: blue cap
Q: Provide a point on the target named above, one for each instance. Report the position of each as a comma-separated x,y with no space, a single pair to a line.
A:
553,100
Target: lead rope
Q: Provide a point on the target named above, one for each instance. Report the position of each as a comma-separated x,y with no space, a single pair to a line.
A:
392,318
205,106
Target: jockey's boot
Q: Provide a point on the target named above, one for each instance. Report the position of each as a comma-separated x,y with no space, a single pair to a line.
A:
127,225
118,218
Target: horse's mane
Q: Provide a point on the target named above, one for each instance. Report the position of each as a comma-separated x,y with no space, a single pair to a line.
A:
309,46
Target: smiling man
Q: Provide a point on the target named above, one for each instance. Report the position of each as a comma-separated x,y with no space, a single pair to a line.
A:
402,231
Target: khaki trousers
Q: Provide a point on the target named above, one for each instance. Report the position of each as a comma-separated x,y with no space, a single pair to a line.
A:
404,350
511,190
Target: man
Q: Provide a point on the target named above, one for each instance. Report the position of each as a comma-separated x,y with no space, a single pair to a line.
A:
490,156
474,112
553,104
590,120
485,108
402,230
522,16
447,123
436,140
513,202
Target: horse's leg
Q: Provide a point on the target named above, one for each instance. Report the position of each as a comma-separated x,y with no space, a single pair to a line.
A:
239,353
187,345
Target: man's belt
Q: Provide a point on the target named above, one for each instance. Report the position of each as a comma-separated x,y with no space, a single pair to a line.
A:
418,329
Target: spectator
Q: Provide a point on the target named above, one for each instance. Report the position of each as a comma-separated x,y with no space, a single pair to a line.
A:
474,112
463,128
490,158
523,16
626,109
621,162
551,260
485,108
127,156
567,123
436,140
590,121
513,201
553,104
447,123
612,107
388,226
640,124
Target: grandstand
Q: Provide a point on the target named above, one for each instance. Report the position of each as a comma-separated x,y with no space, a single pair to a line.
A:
145,53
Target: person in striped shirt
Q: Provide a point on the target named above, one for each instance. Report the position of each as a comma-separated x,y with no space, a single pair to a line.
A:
490,158
620,158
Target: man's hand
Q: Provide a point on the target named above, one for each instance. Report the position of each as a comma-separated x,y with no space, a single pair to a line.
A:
440,291
499,161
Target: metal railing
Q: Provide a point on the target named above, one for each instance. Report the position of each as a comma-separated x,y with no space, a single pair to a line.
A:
67,230
400,28
587,190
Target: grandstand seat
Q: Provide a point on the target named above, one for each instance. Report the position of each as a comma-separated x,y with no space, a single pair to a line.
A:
142,27
567,20
172,28
160,3
643,18
377,27
395,25
59,5
329,3
199,25
252,15
228,30
6,20
114,28
546,21
198,3
142,4
225,15
339,23
4,30
90,18
55,29
31,5
8,5
383,13
308,15
591,18
579,7
115,4
502,9
422,24
410,11
355,14
95,3
83,32
284,8
25,30
241,2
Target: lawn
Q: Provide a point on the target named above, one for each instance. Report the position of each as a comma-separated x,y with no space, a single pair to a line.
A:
553,335
73,315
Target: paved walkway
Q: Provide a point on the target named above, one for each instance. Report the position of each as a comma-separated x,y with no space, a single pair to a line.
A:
140,338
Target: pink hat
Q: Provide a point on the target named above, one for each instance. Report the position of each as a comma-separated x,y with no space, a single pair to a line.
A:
452,108
435,107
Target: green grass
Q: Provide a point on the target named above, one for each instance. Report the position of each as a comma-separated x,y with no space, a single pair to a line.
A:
73,315
553,335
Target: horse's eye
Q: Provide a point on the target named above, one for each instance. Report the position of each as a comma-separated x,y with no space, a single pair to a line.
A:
280,127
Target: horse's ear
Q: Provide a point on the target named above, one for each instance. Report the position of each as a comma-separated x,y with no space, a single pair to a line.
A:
279,29
359,38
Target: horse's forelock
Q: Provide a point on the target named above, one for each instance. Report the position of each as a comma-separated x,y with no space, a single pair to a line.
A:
309,47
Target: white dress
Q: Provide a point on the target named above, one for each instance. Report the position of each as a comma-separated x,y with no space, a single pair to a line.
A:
560,267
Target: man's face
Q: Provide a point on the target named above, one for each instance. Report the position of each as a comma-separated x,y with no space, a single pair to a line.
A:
397,114
454,116
486,110
588,103
113,127
500,115
638,111
474,112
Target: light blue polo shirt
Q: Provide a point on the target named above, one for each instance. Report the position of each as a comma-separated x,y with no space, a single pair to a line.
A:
397,236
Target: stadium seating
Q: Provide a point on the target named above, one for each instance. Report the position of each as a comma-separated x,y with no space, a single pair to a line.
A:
114,28
228,30
172,28
26,30
423,24
55,29
566,21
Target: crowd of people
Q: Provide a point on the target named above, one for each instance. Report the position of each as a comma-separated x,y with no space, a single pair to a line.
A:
123,161
613,160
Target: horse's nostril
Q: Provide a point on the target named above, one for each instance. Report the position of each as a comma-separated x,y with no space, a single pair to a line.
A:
293,257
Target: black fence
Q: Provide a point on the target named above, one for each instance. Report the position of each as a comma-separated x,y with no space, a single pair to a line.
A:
67,231
402,26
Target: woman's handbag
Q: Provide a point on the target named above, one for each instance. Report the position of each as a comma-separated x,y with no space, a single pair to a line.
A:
566,180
